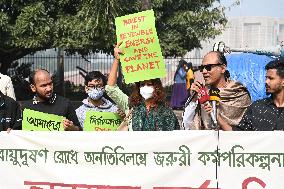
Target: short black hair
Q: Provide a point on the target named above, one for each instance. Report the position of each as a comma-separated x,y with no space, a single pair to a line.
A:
277,64
32,75
95,75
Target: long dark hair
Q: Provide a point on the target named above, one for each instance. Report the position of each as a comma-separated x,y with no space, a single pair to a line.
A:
159,95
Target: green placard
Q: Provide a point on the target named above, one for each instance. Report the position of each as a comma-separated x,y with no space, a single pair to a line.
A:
142,59
101,121
39,121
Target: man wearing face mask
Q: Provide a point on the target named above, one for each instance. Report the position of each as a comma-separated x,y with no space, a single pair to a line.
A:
95,83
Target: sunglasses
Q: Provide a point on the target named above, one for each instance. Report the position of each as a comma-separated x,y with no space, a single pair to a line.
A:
208,67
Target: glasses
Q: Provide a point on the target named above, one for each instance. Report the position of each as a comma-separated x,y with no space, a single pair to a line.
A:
208,67
96,87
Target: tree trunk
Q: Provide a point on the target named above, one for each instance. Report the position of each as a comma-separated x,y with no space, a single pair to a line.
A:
59,83
146,4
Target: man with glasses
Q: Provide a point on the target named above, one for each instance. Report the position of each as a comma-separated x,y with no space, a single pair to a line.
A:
95,83
234,97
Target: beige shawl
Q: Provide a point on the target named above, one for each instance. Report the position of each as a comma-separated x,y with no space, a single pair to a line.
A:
234,100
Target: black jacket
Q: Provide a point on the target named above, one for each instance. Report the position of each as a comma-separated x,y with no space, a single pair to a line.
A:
59,106
10,113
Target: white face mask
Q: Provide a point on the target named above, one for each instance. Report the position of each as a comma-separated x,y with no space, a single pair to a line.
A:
146,92
96,94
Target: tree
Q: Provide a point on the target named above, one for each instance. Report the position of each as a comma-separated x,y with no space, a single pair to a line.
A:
85,26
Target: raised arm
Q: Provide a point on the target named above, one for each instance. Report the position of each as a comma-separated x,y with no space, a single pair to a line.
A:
112,90
112,78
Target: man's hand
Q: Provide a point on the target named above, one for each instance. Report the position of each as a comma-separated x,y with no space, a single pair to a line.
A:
69,126
207,107
196,86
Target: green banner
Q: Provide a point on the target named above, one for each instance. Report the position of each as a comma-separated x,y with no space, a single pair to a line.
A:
101,121
39,121
142,59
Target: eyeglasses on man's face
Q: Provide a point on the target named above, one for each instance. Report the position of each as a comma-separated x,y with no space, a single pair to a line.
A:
208,67
95,86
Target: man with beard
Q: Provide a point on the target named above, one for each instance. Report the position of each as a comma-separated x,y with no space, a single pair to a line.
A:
48,102
234,97
267,114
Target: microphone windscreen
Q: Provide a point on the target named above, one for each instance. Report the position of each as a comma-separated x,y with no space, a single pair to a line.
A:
214,94
203,96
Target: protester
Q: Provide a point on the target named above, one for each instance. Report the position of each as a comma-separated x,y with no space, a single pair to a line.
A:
95,83
179,92
234,97
189,76
10,113
267,114
6,86
147,99
46,101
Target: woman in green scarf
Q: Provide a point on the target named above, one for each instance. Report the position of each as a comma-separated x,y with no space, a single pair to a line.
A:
150,112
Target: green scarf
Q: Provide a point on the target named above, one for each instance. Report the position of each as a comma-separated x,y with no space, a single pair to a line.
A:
159,118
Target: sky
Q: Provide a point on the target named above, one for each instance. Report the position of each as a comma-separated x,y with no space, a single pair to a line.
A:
271,8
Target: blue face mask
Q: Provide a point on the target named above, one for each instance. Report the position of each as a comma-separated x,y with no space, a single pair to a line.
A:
96,94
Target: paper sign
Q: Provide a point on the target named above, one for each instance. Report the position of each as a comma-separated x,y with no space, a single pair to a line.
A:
101,121
39,121
142,59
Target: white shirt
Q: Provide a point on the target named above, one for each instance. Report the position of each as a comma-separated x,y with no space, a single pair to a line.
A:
188,115
6,86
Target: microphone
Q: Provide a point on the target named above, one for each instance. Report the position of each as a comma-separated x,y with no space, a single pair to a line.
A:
194,93
214,98
190,98
204,97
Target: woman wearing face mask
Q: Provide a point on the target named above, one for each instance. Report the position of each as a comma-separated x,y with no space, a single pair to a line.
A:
95,83
147,99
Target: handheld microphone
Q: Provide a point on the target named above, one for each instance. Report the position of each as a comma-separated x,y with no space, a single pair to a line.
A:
204,97
214,98
190,99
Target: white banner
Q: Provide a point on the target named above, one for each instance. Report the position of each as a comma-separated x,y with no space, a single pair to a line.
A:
134,160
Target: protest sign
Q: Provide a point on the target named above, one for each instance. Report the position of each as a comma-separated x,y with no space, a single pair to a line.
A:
39,121
142,59
101,121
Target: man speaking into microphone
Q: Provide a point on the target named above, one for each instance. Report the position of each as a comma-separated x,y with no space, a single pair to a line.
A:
234,97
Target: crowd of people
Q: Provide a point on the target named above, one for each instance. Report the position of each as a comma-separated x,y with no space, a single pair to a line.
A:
146,109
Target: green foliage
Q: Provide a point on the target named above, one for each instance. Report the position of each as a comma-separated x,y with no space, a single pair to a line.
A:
85,26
